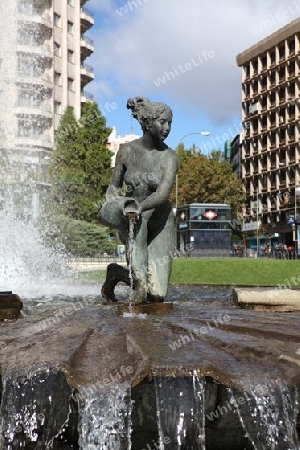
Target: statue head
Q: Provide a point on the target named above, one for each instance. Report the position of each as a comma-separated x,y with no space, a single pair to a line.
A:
147,112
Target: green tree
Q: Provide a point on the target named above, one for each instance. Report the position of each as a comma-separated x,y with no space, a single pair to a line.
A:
81,164
208,179
77,237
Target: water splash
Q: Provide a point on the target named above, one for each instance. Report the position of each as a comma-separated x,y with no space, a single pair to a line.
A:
129,252
268,414
105,420
181,412
25,260
31,412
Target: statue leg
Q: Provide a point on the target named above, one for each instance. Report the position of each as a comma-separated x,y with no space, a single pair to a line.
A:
139,261
112,216
160,258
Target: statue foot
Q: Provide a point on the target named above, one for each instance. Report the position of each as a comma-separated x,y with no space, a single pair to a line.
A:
139,296
115,273
154,298
107,292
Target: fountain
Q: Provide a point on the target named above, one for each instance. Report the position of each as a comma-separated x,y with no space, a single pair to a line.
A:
78,374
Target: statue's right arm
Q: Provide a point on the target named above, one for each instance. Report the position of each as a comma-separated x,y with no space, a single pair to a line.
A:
116,183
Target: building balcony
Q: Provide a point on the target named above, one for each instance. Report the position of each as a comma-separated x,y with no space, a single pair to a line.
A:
42,110
43,19
87,74
86,46
43,51
86,20
33,142
86,97
35,80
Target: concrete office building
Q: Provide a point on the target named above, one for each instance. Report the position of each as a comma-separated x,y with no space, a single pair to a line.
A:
271,129
42,71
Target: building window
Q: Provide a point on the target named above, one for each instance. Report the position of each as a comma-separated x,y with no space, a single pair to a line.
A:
57,78
70,27
70,84
57,49
273,78
273,57
71,2
57,107
281,52
247,71
57,20
264,61
29,98
29,128
292,47
71,56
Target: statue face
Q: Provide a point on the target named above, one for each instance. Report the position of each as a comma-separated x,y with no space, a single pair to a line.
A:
161,127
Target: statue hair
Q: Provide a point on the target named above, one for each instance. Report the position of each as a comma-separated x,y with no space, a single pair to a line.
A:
146,111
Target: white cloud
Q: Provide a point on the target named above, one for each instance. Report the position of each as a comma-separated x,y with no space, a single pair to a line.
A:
156,36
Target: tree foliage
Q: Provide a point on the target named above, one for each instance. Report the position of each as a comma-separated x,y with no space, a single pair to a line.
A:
207,179
81,164
77,237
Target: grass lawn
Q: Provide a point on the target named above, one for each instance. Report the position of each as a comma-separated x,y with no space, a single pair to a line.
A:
241,271
245,271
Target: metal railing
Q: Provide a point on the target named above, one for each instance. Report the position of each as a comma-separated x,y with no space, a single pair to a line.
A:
87,40
87,67
87,11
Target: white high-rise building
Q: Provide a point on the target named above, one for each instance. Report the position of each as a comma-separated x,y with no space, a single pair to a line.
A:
42,71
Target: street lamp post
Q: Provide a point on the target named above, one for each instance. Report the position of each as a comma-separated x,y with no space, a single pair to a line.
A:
202,133
295,231
257,225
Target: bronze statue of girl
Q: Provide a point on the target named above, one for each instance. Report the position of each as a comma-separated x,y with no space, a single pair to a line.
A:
146,168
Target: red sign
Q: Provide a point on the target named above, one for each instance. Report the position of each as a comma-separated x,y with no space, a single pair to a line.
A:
210,215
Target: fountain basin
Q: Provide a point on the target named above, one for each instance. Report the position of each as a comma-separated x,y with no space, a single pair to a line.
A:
94,356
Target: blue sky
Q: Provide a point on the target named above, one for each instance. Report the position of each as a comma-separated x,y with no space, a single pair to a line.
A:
181,52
